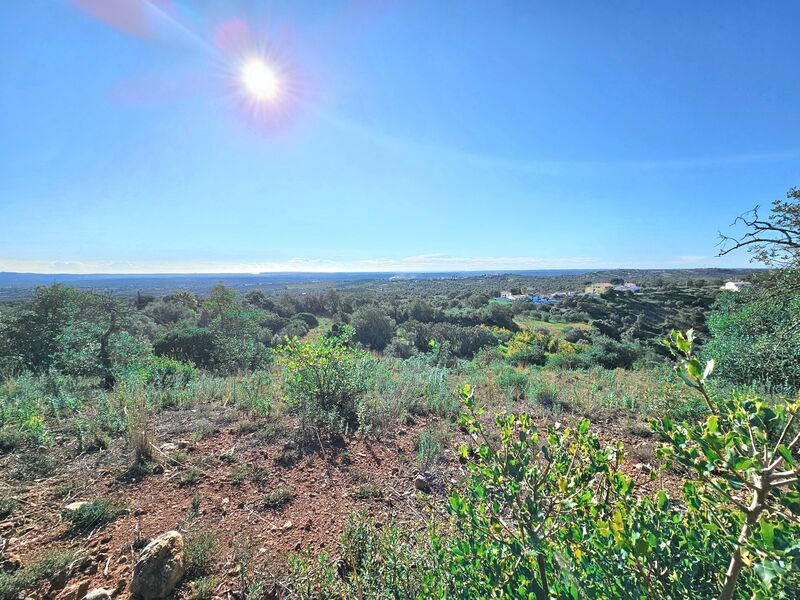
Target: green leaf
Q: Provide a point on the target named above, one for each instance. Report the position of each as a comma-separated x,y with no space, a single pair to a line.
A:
768,534
712,424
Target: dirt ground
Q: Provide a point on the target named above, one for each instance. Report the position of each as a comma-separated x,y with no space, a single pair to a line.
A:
218,483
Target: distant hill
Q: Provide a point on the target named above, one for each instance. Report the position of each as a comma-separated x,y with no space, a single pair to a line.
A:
21,285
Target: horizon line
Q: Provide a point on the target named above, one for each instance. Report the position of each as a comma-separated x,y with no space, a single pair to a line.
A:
377,271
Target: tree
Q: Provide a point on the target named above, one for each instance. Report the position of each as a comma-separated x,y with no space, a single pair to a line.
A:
774,240
373,327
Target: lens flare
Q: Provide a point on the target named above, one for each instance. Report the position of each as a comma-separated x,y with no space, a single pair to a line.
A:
260,80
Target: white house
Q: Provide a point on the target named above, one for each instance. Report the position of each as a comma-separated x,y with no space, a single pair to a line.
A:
735,286
627,287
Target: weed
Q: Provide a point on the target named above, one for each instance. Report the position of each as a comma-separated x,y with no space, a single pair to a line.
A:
68,489
277,497
7,506
96,513
202,432
429,446
513,383
368,491
34,465
179,458
240,474
268,432
190,476
201,550
11,439
140,433
42,567
246,427
203,588
543,394
197,499
229,457
258,475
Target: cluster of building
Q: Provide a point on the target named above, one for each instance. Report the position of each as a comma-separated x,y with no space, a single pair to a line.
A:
535,298
598,288
593,289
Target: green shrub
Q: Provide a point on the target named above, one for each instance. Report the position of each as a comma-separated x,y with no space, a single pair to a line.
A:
326,379
203,588
190,476
96,513
201,552
376,563
7,506
429,446
277,497
513,383
41,568
543,394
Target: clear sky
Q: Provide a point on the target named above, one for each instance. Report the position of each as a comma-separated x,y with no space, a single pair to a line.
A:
395,136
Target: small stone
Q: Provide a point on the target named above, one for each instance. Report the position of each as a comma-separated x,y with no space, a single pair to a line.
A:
73,507
287,525
422,484
160,567
169,447
98,594
76,591
10,563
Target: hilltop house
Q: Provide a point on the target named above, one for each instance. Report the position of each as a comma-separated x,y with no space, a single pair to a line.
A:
735,286
627,287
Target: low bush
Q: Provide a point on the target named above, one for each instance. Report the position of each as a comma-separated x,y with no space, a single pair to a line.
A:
96,513
201,550
277,497
429,446
325,380
41,568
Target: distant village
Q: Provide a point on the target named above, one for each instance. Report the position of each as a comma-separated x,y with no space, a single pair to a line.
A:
595,289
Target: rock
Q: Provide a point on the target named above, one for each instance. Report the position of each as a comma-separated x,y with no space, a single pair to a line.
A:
422,484
73,507
287,525
99,594
160,567
76,591
59,579
10,563
168,447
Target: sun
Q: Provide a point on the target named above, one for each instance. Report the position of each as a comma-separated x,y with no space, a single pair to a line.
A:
260,80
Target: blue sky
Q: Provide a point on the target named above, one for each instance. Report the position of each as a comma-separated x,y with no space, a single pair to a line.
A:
404,136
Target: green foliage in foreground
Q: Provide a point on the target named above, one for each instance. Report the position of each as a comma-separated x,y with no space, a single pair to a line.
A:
326,379
550,514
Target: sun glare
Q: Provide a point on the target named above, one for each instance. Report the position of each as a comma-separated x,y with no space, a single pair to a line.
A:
260,80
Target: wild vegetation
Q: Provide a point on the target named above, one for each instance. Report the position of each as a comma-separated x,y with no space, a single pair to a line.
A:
396,439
